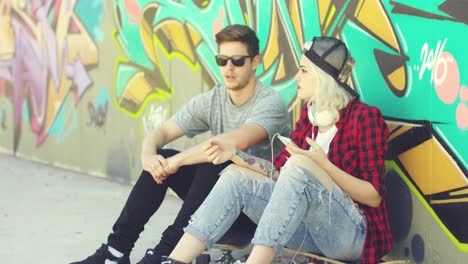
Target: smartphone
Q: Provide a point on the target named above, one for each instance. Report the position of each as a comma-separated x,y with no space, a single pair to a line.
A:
286,141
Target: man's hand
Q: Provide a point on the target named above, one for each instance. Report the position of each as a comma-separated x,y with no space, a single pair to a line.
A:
156,165
218,151
173,165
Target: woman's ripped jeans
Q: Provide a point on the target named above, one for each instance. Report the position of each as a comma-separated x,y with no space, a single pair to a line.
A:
296,211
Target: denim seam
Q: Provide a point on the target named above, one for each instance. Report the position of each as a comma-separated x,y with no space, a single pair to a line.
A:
321,188
275,242
291,210
221,219
257,196
357,223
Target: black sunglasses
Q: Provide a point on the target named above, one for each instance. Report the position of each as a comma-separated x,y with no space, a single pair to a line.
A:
237,60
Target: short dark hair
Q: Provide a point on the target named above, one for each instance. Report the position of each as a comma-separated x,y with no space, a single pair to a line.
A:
240,33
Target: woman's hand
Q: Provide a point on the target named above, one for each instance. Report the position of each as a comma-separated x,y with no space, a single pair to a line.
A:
219,152
315,153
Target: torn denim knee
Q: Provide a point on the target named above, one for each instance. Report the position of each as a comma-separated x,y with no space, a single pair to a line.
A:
320,192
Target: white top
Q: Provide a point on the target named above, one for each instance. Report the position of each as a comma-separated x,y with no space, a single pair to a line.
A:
324,139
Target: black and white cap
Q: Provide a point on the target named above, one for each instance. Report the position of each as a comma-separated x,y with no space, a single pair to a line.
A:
333,57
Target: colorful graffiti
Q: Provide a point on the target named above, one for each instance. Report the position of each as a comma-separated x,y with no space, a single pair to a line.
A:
99,109
156,115
46,53
411,71
3,119
180,30
410,62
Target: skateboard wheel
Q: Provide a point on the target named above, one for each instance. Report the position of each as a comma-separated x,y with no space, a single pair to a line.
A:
203,259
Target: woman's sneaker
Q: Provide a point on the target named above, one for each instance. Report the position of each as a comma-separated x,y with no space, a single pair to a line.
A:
103,256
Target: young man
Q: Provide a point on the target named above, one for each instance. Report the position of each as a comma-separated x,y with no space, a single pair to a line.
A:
243,112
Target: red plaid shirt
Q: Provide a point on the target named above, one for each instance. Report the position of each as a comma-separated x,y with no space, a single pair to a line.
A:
358,148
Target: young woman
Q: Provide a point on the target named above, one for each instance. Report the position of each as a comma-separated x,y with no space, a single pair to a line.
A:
326,196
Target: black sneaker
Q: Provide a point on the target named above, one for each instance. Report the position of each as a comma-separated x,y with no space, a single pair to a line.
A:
166,260
151,257
103,256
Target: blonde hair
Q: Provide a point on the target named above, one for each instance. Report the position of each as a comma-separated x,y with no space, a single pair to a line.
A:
329,96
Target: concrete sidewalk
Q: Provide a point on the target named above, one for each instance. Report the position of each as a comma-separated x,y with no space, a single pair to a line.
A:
50,215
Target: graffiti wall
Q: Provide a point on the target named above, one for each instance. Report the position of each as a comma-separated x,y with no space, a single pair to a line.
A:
82,82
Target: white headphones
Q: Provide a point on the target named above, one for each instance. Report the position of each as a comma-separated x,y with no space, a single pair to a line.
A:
323,118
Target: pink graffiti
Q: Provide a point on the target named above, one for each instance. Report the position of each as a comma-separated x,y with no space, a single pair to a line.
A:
462,116
77,72
3,118
464,93
462,109
133,10
218,23
38,64
2,87
446,78
447,85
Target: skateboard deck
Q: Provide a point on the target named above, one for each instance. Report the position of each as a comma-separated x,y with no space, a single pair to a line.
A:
334,261
314,256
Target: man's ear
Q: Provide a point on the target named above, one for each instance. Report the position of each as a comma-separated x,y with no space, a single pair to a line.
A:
255,62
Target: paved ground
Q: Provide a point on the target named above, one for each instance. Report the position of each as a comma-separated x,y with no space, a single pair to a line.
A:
51,215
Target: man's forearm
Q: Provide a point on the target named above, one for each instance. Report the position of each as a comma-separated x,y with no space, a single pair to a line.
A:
152,142
254,163
148,146
193,155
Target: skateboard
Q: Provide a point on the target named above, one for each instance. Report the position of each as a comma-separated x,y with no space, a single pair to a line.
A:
314,258
236,238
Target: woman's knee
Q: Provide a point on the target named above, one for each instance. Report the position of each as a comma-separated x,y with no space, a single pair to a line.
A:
294,167
303,168
239,176
231,175
245,174
302,161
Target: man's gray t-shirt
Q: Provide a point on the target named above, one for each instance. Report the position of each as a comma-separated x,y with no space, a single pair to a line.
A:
214,111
